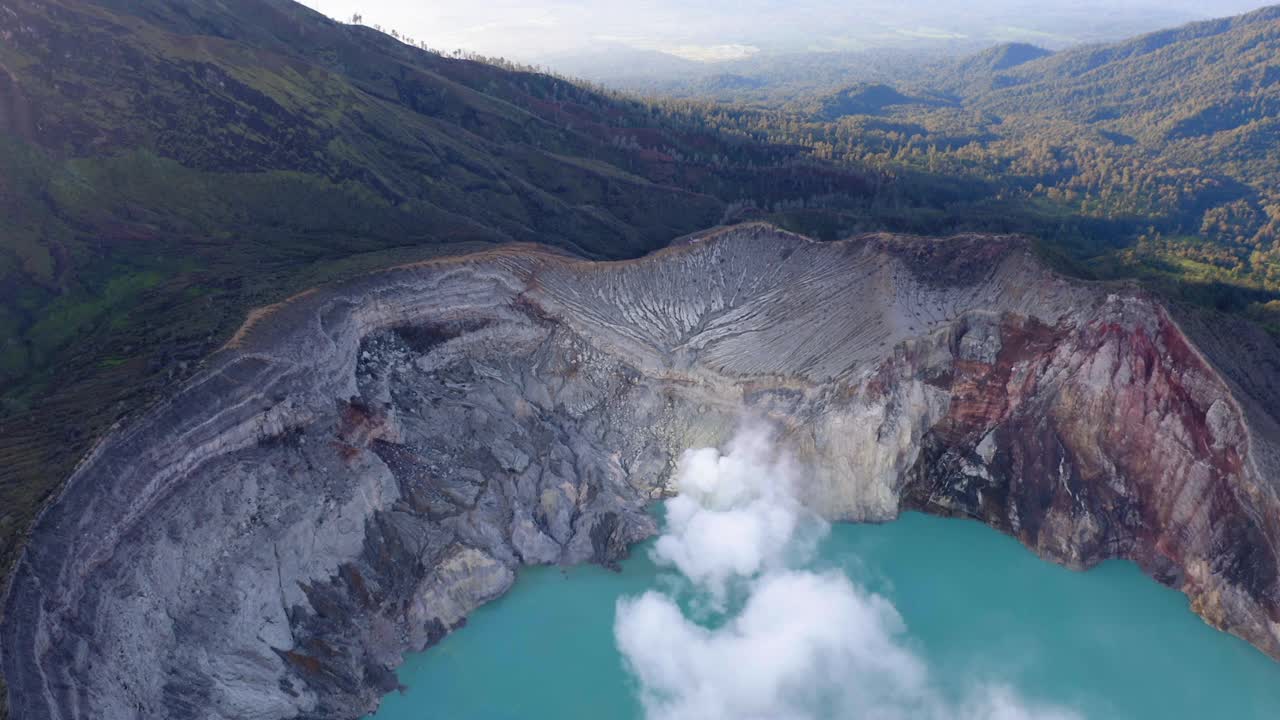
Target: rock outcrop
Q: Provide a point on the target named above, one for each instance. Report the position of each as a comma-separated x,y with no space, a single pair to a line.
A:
366,464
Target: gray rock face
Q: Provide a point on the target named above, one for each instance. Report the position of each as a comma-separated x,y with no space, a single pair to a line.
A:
366,464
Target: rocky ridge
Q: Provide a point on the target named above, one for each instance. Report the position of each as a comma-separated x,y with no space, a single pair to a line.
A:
365,464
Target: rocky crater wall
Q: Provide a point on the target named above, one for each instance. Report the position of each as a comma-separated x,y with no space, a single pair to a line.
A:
366,464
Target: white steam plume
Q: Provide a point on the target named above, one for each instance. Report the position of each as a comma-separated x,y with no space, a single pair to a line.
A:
735,515
800,645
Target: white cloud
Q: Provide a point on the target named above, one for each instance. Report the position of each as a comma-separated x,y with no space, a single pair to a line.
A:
803,642
799,644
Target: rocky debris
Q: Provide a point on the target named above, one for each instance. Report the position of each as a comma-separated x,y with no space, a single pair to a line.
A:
374,460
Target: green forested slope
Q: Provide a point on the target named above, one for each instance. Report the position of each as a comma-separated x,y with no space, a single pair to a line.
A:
1181,125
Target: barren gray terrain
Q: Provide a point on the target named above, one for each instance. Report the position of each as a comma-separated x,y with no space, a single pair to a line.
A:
365,464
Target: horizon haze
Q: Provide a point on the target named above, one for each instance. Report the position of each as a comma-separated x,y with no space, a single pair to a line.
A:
570,35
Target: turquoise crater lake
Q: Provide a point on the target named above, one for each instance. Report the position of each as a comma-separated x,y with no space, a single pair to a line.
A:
1107,644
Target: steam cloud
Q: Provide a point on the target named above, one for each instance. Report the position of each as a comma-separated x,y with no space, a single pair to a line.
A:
780,642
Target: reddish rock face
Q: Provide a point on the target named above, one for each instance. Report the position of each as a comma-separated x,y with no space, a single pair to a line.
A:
1114,439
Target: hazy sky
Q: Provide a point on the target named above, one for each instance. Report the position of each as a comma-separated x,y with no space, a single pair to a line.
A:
726,29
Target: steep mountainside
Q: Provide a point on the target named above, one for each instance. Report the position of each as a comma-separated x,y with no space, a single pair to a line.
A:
1166,86
367,463
1206,94
164,166
1201,102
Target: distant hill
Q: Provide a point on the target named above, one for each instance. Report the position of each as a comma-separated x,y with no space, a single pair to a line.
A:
867,99
1219,62
1187,41
728,82
1003,57
981,71
765,80
1204,95
623,67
